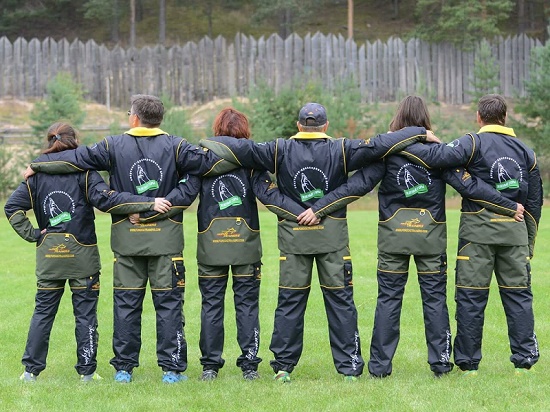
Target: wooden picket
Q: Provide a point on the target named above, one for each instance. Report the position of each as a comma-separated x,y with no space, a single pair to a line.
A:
200,72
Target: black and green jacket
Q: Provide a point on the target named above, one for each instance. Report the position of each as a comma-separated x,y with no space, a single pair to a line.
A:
228,223
411,201
307,167
63,207
144,161
500,159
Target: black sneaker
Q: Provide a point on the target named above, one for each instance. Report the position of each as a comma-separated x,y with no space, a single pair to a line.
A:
250,375
209,375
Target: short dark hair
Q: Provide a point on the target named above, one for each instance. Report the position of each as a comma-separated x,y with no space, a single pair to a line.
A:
149,109
492,109
412,111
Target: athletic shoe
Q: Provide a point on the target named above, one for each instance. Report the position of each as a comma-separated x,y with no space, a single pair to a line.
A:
173,377
439,375
28,377
282,376
524,371
469,373
91,377
250,375
123,377
351,378
209,375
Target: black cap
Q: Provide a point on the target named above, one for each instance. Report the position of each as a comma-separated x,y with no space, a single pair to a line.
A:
312,114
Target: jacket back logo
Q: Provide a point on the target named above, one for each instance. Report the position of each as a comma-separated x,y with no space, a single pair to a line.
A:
58,206
410,176
140,175
504,178
311,183
224,191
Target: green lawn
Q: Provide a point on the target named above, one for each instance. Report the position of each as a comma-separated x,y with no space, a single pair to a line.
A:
316,386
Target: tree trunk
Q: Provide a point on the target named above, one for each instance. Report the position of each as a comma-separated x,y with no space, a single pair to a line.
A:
350,19
521,16
162,22
132,23
395,9
115,33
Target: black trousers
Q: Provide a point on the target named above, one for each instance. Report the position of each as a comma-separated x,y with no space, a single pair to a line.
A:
85,295
392,277
246,294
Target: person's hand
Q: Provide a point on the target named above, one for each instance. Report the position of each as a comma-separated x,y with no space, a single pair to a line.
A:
134,218
162,205
431,137
308,218
28,172
43,231
518,217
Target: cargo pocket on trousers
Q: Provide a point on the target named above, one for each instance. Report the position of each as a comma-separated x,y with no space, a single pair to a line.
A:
348,274
257,271
92,284
178,273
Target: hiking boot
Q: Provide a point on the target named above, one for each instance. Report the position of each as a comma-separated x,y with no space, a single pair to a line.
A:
28,377
351,378
91,377
250,375
469,373
173,377
282,376
123,377
209,375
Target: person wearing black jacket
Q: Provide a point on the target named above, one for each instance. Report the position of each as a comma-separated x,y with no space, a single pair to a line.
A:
412,223
490,243
307,166
229,236
66,249
145,159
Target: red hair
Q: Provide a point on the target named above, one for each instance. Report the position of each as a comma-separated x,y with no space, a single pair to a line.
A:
231,122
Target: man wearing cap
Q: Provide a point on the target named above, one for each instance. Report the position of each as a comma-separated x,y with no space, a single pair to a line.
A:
307,166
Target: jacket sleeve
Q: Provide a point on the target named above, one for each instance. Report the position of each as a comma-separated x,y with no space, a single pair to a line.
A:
440,155
359,184
533,206
268,193
360,153
16,207
479,191
181,197
102,197
243,152
95,157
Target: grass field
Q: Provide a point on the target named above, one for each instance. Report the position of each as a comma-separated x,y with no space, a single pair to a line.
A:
316,386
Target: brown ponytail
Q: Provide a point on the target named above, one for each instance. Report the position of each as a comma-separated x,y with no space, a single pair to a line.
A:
61,136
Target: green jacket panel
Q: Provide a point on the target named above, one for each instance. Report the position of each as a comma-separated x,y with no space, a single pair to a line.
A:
491,229
328,236
164,237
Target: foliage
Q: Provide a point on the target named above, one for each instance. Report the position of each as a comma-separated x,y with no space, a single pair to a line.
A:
289,12
461,22
274,114
486,72
63,103
536,106
11,165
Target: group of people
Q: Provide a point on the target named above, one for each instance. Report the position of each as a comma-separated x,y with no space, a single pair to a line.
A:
154,176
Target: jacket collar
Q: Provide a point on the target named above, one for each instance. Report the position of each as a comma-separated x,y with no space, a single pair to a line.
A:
145,131
495,128
310,135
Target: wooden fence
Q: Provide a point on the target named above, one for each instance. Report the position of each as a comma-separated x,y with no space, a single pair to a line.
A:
200,72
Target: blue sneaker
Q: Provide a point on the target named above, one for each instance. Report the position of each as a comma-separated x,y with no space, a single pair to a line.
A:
123,377
173,377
